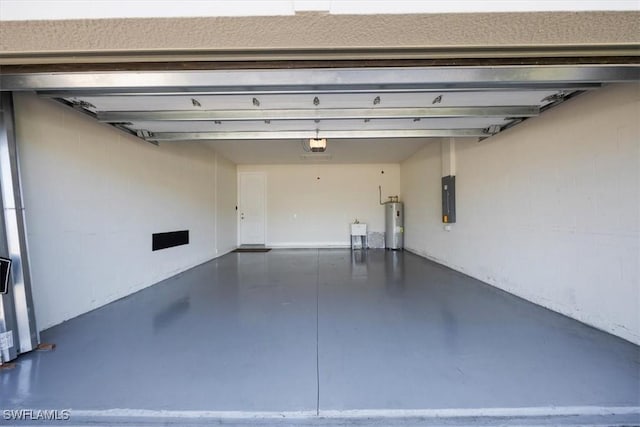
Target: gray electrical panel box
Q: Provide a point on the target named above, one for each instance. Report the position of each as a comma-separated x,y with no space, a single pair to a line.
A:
449,199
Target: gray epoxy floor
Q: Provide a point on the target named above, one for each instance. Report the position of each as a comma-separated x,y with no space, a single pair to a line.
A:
302,330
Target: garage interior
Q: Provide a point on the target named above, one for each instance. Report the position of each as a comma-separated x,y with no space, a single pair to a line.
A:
130,179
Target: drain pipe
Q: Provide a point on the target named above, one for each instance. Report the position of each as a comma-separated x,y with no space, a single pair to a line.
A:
392,199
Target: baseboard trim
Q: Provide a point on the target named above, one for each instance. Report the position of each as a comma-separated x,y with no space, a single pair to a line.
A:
309,245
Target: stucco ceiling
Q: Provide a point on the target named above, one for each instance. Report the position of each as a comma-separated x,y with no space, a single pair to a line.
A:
338,150
303,36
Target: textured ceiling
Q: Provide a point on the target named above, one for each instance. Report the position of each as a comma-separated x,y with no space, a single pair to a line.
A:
322,31
338,151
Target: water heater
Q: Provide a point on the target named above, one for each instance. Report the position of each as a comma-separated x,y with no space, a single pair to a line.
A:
394,225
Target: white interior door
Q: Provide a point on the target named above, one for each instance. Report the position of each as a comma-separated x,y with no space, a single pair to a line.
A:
252,208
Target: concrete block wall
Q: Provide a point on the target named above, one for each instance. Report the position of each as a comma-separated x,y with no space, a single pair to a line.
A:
93,197
548,210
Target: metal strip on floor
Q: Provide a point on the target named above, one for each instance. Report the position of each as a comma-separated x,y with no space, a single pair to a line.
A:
527,416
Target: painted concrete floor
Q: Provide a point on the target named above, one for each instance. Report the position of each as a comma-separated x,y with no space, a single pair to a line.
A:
323,330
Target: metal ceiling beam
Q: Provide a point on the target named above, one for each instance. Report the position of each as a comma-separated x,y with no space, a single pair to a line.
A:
317,114
371,79
188,91
412,133
549,54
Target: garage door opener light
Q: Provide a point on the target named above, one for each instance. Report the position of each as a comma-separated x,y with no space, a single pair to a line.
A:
318,145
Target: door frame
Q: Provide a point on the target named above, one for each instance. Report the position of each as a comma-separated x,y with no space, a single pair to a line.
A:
18,330
264,204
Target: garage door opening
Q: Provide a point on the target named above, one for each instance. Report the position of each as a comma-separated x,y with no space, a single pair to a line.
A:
510,293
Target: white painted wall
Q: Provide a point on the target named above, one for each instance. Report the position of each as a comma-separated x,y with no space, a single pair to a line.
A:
304,211
549,210
93,196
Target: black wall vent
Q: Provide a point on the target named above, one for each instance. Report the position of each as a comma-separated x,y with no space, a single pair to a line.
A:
170,239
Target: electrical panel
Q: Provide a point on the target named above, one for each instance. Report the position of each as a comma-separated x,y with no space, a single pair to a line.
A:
449,199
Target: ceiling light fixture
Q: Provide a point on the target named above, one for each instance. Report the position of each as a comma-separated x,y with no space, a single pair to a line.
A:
318,145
